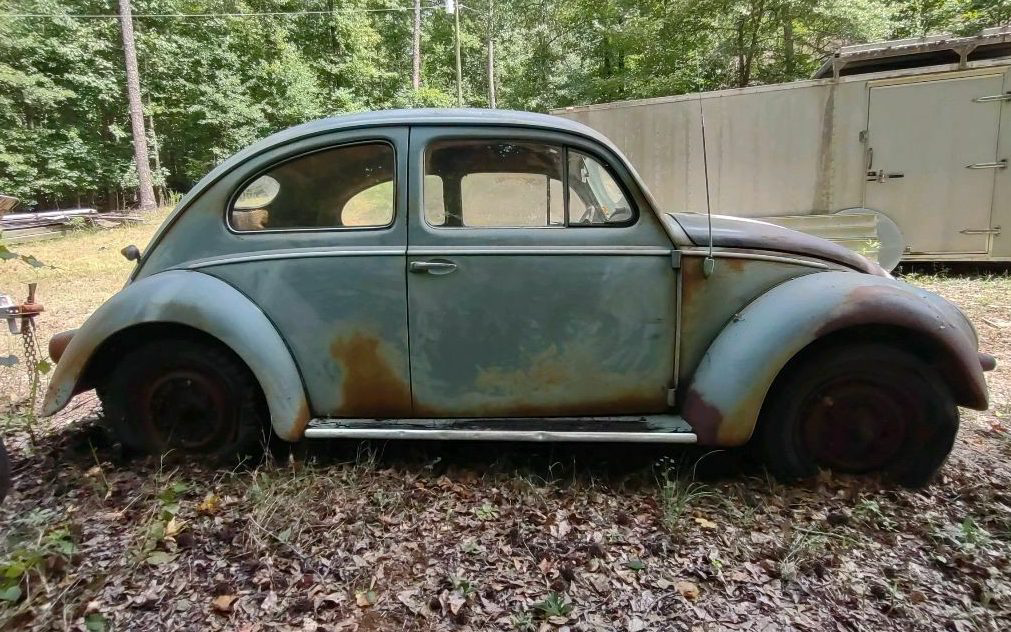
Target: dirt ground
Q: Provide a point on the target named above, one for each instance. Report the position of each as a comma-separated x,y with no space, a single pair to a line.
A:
384,536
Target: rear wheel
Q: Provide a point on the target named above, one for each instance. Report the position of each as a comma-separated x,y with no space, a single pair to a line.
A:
185,397
859,408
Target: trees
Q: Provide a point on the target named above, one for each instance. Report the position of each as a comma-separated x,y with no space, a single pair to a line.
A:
142,162
228,74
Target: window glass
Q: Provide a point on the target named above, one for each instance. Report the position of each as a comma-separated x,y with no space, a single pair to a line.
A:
371,207
435,203
349,186
493,184
595,197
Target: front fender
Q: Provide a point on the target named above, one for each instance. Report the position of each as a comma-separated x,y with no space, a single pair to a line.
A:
205,303
726,393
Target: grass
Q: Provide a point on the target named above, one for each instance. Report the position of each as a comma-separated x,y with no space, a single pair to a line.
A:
81,271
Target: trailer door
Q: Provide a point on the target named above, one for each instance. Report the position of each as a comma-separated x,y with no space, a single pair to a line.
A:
932,159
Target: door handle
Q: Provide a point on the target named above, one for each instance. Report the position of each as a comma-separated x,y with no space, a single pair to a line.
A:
881,176
1000,164
432,267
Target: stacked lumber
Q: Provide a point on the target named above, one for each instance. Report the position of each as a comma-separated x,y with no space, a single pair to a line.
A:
22,227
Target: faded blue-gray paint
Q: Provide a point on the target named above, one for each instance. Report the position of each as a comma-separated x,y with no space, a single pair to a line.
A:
202,302
734,376
542,321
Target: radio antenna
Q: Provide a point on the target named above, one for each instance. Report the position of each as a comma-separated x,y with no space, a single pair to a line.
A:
709,264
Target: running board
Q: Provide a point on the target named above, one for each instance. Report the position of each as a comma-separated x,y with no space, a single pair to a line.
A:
637,429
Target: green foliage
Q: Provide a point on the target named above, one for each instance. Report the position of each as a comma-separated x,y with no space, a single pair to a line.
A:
554,605
31,544
213,85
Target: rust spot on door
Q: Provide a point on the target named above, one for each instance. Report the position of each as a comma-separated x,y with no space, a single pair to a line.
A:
632,403
370,387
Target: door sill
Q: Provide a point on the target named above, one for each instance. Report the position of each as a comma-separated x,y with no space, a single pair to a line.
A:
631,429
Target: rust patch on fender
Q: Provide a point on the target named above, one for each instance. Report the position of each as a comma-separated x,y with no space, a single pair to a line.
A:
300,422
875,305
370,387
58,344
704,418
733,264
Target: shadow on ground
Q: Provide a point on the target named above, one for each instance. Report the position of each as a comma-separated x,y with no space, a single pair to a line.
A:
89,443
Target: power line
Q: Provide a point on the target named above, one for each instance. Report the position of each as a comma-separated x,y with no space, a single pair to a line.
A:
103,16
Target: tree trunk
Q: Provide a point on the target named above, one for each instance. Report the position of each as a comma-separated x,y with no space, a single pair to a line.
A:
789,58
160,189
459,63
140,155
416,56
491,54
748,60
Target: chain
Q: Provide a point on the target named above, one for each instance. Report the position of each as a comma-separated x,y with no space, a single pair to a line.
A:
31,358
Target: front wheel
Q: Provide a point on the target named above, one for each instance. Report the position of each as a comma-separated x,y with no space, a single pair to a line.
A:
859,408
185,397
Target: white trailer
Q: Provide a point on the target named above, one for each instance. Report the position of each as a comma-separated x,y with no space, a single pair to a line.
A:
913,134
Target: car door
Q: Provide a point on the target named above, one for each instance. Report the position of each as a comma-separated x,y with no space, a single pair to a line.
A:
321,235
530,298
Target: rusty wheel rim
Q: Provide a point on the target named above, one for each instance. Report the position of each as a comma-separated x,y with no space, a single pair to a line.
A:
187,409
855,424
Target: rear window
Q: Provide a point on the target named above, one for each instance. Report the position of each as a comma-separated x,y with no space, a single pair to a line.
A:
351,186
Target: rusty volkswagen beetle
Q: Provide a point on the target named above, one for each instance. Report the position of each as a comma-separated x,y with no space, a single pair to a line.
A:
474,274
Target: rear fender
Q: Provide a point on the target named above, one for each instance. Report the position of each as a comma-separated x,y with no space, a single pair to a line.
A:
727,391
204,303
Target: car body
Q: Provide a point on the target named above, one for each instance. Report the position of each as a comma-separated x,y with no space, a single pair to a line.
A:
425,273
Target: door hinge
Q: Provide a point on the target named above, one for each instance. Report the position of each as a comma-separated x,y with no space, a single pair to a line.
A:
675,259
981,231
993,97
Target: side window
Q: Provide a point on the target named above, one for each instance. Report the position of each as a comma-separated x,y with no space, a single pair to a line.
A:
349,186
491,183
595,197
494,184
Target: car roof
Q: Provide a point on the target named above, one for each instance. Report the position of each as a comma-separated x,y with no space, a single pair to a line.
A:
412,117
422,116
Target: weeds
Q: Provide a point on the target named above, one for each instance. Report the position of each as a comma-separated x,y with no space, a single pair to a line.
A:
802,549
869,512
524,622
161,520
554,605
677,495
35,544
486,511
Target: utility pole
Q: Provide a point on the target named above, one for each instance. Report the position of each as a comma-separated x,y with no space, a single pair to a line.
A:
459,66
416,79
491,54
140,155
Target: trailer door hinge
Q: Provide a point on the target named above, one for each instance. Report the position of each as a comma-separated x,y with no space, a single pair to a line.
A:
993,97
1000,164
981,231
